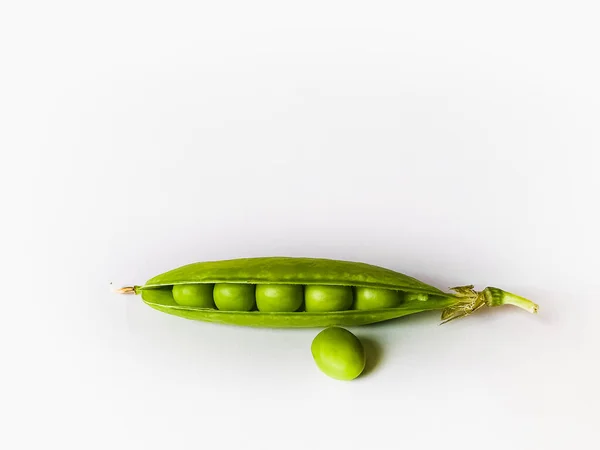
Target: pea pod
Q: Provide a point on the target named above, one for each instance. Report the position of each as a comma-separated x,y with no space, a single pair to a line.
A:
419,296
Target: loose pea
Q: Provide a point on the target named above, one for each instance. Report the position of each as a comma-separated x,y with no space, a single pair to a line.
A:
327,298
198,295
278,297
338,353
370,298
234,296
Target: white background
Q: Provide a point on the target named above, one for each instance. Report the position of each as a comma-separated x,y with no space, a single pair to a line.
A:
454,141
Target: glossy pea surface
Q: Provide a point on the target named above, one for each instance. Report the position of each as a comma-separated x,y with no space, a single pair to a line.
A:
234,296
371,298
338,353
279,297
197,295
327,298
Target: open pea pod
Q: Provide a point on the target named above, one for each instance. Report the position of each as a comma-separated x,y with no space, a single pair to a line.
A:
418,296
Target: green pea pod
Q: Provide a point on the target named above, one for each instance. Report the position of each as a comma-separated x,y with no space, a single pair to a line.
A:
419,297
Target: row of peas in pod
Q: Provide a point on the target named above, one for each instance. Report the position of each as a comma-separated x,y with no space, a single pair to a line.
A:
287,297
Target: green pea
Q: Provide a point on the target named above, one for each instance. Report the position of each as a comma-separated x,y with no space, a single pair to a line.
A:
338,353
327,298
371,298
234,296
198,295
412,296
278,297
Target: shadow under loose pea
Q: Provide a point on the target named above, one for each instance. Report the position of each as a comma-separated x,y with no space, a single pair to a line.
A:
374,354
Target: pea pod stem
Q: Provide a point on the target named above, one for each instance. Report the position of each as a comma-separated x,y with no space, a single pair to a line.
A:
498,297
472,300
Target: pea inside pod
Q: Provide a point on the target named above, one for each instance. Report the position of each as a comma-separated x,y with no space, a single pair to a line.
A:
370,298
234,296
327,298
279,297
197,295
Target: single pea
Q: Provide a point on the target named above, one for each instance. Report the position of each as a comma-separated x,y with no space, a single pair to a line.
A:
278,297
234,297
338,353
199,295
371,298
411,296
327,298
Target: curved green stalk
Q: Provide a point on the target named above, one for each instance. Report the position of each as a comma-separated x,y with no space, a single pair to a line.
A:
490,296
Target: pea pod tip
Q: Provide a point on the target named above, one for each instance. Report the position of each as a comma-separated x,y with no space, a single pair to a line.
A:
127,290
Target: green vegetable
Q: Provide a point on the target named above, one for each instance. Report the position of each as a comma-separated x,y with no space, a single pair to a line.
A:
234,297
327,298
370,298
198,295
278,297
338,353
235,281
